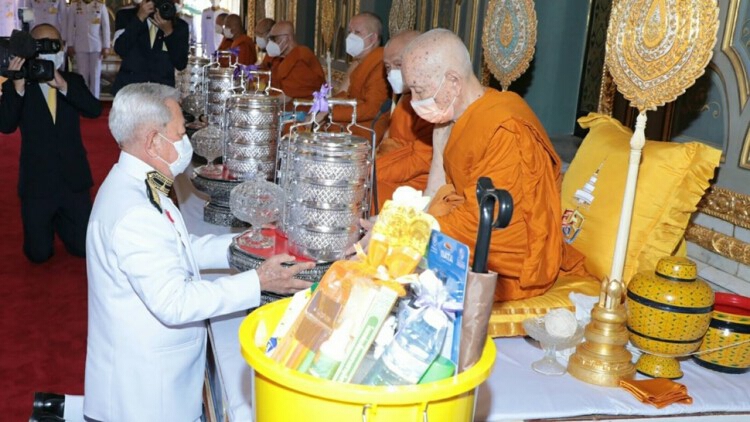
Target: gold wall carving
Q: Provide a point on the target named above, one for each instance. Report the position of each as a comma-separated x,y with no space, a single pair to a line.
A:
726,246
727,47
727,205
402,16
745,157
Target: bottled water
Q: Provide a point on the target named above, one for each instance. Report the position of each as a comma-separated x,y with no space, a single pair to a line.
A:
412,351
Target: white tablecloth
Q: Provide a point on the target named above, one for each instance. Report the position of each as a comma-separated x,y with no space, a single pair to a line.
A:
513,391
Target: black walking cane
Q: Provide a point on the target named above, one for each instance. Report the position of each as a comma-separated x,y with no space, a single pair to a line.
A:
480,284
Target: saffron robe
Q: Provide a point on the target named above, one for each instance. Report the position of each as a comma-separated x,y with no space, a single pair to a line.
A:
246,47
367,85
500,137
298,74
405,155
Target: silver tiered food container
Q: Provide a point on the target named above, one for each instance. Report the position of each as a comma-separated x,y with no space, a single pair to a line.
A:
219,85
328,180
190,82
252,126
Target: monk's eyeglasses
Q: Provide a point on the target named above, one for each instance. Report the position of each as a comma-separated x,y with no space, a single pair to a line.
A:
276,37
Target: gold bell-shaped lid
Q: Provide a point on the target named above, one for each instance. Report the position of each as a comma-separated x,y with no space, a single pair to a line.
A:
677,268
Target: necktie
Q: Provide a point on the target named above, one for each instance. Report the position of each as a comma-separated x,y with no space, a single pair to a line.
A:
52,102
152,33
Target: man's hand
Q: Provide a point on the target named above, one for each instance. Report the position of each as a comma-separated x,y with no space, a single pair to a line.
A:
165,25
59,82
105,53
278,278
15,65
145,10
71,51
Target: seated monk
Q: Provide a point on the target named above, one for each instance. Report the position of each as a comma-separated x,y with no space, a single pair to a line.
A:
365,79
235,38
262,29
404,155
297,72
495,134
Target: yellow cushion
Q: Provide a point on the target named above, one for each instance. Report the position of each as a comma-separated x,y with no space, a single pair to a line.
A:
507,317
672,178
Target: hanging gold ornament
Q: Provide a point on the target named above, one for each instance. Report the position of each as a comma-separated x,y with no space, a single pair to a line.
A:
509,38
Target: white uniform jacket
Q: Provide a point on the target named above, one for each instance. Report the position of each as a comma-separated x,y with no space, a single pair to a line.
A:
146,346
88,26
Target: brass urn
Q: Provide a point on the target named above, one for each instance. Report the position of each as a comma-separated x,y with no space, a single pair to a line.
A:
668,311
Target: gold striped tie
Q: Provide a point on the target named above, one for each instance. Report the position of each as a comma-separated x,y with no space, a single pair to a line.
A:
52,102
152,33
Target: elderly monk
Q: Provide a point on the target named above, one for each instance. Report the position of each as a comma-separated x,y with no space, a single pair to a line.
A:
262,29
297,71
365,79
235,38
497,135
405,153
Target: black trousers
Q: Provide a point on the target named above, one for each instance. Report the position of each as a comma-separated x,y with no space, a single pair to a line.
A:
65,213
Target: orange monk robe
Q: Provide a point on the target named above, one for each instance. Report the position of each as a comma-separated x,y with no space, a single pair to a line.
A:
368,85
246,47
298,74
499,136
405,155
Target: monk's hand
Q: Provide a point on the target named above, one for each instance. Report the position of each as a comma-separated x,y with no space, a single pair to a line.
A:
389,144
446,199
278,278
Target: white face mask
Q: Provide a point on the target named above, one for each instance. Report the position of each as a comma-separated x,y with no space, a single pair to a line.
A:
428,109
273,49
215,3
219,29
228,33
58,58
396,81
137,1
355,44
178,7
262,42
184,155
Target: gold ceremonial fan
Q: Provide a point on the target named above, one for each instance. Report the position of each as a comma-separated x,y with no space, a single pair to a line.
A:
509,38
402,16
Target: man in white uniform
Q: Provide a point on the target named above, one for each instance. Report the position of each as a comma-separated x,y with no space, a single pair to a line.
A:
148,305
49,11
209,37
88,39
8,17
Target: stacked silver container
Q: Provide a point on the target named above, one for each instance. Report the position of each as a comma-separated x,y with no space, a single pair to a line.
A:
328,181
189,82
251,130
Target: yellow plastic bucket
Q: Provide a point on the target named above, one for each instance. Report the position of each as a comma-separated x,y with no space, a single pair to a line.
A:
283,394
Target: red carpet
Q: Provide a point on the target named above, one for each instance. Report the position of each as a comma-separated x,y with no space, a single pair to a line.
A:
43,312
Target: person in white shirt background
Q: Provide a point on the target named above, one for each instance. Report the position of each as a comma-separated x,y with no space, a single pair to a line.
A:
88,39
9,17
53,12
209,37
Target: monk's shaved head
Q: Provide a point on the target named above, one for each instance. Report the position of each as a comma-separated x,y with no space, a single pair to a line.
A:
234,22
263,27
282,28
394,49
371,22
436,52
437,64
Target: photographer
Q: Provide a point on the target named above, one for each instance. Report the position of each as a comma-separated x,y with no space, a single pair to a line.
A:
152,46
54,175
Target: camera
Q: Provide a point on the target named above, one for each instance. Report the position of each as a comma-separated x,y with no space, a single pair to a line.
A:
22,44
166,9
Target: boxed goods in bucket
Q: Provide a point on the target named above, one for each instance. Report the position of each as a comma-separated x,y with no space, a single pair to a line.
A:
390,317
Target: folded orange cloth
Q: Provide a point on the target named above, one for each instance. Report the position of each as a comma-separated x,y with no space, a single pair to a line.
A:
659,392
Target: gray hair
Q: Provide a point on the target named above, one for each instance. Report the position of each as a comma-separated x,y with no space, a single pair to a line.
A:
138,108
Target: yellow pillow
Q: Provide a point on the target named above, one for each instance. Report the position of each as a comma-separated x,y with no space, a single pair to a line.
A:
672,179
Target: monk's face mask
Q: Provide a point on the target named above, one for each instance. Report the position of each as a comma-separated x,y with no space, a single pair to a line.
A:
355,44
428,109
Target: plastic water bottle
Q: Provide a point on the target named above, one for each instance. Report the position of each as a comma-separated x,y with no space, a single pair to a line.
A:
412,351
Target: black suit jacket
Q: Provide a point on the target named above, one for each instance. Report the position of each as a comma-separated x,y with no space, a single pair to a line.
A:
124,16
52,153
143,63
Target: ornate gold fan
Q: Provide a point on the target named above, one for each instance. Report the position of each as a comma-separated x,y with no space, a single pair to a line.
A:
508,38
326,18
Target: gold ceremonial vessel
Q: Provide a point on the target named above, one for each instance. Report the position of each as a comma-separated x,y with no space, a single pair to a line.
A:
668,314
